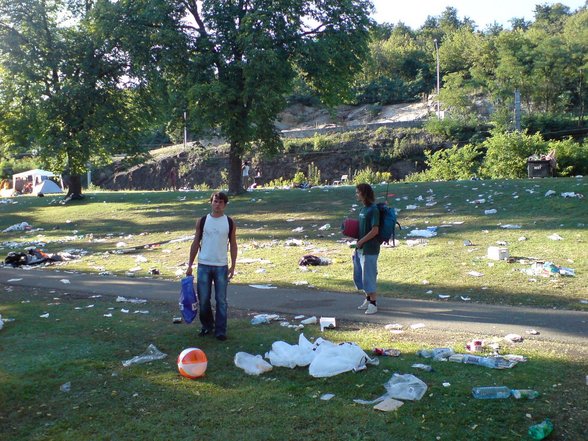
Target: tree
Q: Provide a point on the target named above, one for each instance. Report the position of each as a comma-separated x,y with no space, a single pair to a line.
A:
245,54
63,80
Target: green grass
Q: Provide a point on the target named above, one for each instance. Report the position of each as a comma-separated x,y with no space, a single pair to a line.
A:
266,218
152,401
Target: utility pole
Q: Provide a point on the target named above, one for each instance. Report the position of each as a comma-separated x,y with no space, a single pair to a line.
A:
437,53
517,110
185,131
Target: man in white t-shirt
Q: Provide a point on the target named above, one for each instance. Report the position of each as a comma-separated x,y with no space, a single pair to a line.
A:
213,232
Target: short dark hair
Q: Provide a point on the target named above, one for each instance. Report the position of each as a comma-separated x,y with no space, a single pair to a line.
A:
367,192
220,195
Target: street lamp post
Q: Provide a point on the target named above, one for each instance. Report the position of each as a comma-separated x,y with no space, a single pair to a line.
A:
437,53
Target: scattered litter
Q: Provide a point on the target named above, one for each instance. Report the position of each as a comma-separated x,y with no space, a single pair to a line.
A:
468,243
312,260
416,242
475,274
446,384
412,207
513,338
300,282
327,323
108,314
22,226
387,352
489,362
388,405
423,367
124,299
298,230
491,211
571,194
46,315
14,280
497,253
299,317
443,296
541,431
465,299
327,397
64,281
532,332
510,227
151,354
555,236
260,319
141,311
263,286
436,354
549,193
325,227
309,321
65,387
390,326
417,326
474,345
252,364
293,243
422,233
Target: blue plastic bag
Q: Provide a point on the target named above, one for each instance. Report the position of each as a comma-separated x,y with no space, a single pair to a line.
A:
188,300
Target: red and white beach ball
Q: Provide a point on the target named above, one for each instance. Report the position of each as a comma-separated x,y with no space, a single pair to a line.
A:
192,363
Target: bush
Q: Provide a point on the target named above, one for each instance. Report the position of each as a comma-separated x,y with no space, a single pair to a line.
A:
369,176
507,154
454,163
572,157
454,129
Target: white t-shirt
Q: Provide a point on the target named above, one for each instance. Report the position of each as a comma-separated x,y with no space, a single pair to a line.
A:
245,170
215,241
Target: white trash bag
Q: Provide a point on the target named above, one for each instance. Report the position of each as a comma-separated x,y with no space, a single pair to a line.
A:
283,354
332,359
252,364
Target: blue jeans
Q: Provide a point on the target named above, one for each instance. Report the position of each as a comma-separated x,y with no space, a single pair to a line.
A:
207,275
365,271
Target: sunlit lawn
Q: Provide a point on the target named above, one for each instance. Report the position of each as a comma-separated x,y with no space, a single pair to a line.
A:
140,231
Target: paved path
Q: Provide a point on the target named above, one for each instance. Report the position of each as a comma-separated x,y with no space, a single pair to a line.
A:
473,318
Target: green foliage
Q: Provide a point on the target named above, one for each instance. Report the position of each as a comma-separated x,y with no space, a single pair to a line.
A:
299,178
572,157
507,154
314,174
369,176
453,128
455,163
8,167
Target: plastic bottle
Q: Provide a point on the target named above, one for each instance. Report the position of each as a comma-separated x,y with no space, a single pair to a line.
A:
490,392
541,430
436,354
524,393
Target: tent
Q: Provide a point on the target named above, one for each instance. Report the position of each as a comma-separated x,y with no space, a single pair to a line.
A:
46,187
34,177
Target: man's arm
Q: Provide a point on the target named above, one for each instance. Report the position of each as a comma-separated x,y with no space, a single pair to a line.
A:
233,249
194,248
371,234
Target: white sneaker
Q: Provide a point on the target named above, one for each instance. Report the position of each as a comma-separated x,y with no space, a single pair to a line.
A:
371,309
364,305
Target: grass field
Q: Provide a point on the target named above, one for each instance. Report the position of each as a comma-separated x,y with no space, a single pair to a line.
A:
77,344
133,232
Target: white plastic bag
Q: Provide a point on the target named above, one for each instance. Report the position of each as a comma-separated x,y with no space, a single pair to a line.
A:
283,354
151,354
252,364
334,359
405,387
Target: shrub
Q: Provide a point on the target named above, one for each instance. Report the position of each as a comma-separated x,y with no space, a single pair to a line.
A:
572,157
507,154
454,129
369,176
453,163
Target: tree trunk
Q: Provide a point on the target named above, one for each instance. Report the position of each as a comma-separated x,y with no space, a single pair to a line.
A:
74,187
235,175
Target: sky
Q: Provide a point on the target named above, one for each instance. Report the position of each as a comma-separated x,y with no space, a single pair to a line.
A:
483,12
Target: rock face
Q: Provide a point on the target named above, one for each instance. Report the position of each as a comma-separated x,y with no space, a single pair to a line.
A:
360,144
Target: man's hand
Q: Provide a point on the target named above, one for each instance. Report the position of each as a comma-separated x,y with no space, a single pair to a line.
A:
189,271
231,272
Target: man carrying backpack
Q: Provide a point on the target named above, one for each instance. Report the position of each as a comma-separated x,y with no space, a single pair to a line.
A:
213,232
365,257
